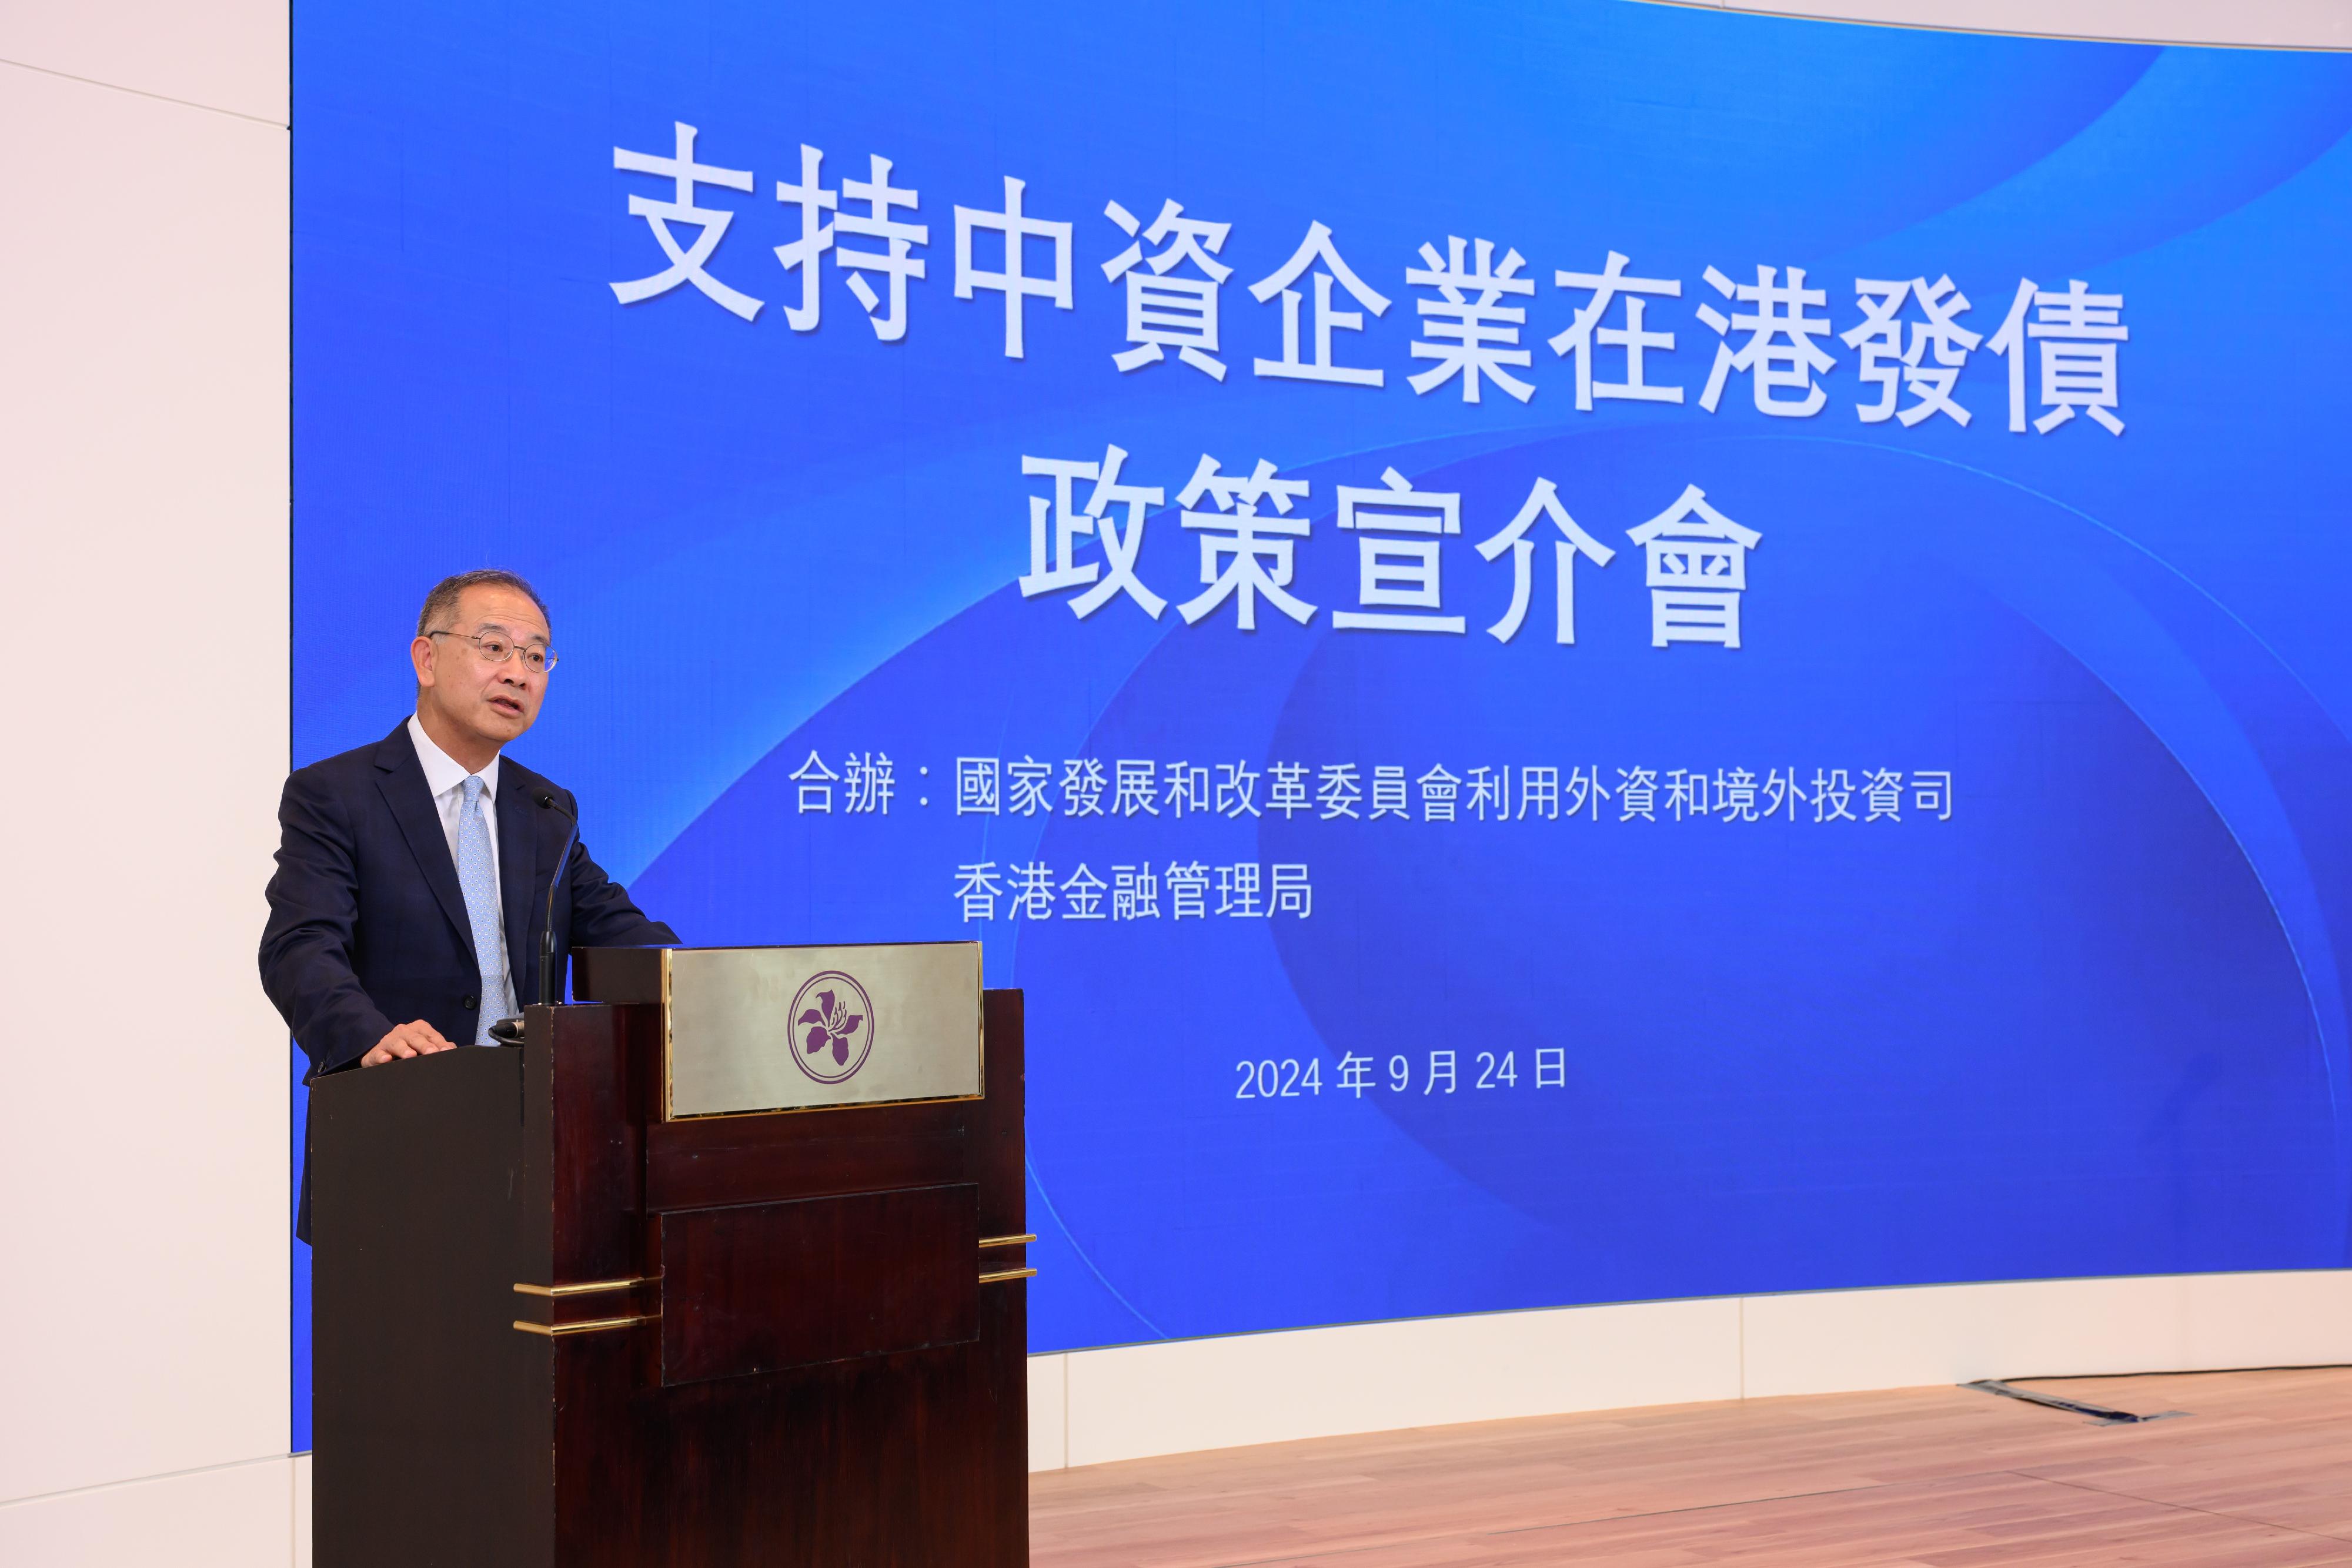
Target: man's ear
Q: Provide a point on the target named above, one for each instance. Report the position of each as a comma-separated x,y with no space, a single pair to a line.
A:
420,655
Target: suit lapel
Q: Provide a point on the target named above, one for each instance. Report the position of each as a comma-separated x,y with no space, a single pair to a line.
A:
518,815
401,779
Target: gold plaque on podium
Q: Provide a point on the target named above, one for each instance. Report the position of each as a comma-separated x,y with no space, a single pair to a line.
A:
751,1030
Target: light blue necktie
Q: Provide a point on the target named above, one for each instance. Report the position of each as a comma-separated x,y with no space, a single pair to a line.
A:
482,909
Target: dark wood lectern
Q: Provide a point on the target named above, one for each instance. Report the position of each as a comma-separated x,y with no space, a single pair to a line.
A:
554,1330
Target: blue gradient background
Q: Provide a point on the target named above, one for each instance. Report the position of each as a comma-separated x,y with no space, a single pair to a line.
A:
2096,1024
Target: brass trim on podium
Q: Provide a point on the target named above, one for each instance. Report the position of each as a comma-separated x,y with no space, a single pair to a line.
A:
988,1242
592,1288
990,1278
592,1325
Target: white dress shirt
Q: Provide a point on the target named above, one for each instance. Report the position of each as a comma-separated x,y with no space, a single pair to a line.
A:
445,777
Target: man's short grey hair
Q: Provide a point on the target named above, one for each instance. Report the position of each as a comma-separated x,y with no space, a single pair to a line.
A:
441,604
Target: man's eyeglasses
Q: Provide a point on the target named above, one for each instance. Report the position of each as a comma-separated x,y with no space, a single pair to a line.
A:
495,648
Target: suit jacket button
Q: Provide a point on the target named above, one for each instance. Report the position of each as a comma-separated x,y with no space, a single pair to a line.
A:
470,1001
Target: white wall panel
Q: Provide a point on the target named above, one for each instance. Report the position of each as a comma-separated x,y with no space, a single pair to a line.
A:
1274,1388
2276,23
1848,1340
302,1555
1049,1395
237,1516
144,438
228,55
2265,1320
1134,1401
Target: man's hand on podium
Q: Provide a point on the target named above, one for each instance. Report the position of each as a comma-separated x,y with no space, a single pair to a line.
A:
417,1039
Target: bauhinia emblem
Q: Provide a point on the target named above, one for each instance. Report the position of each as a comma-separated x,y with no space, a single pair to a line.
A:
832,1027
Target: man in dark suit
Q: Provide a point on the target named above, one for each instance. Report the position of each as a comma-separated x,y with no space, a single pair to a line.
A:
412,874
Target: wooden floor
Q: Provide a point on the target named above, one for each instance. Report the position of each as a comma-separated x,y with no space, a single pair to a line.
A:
2258,1472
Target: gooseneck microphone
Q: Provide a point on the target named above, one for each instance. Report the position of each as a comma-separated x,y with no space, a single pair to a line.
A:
546,996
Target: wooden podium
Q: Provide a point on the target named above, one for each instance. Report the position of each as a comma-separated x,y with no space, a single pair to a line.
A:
556,1325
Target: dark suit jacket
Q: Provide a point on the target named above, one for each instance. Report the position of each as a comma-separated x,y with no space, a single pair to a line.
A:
367,925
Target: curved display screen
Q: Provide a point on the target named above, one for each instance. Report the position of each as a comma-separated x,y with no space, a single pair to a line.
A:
1578,653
